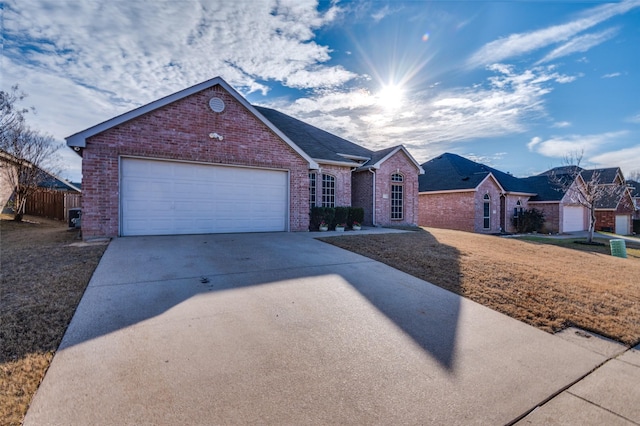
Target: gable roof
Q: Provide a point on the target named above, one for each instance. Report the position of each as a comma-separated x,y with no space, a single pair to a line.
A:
605,176
634,188
451,172
79,140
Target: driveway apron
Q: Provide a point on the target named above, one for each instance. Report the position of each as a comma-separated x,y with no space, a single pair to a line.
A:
281,328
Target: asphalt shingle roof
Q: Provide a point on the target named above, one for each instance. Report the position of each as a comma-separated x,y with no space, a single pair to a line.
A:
317,143
453,172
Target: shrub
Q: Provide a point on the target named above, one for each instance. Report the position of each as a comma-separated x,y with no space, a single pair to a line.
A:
356,214
529,221
341,215
319,214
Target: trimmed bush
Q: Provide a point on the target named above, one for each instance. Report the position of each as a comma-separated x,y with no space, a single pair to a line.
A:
341,215
319,214
356,214
529,221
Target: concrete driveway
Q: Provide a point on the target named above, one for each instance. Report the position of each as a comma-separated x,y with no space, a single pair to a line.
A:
284,329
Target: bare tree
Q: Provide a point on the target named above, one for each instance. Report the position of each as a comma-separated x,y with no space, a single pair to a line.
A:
27,157
586,190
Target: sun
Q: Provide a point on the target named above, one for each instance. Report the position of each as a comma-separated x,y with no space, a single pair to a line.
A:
390,96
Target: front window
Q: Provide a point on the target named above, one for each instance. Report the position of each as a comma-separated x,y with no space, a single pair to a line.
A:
312,189
397,196
487,211
328,191
517,211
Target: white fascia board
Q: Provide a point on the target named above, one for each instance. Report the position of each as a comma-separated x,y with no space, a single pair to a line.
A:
320,161
543,202
447,191
80,139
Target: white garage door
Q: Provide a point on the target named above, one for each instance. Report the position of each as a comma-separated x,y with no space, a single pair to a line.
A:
622,224
165,198
573,219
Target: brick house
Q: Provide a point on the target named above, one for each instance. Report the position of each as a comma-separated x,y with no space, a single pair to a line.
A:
204,160
614,212
457,193
634,190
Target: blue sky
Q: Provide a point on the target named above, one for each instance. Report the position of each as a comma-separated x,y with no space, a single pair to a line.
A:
516,85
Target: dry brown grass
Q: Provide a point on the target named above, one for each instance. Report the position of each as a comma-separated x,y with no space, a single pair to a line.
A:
546,286
43,278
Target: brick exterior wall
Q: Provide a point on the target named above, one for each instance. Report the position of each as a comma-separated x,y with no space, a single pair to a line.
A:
343,184
400,163
451,210
362,194
511,202
180,131
551,213
488,186
463,211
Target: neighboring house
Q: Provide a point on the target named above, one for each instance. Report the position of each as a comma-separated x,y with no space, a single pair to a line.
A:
457,193
561,212
634,191
47,181
204,160
614,212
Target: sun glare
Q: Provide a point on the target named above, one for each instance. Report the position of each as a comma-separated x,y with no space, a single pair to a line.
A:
390,96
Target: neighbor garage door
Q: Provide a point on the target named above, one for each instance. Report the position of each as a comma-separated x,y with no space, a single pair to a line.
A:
622,224
573,219
166,197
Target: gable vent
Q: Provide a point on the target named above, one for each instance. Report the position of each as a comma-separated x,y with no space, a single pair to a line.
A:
216,104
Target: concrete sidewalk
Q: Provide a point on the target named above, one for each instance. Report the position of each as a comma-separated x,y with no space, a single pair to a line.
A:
284,329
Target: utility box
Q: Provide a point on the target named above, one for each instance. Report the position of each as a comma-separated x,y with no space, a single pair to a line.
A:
618,248
74,217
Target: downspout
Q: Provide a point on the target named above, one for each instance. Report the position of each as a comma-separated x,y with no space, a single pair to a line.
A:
373,203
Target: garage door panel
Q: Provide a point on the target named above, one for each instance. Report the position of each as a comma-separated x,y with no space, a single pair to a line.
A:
163,198
573,219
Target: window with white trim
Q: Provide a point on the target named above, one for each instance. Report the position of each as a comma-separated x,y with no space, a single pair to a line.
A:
328,191
312,190
397,196
487,211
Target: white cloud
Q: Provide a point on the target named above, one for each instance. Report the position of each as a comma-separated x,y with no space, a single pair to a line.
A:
518,44
432,119
626,159
561,146
612,75
579,44
85,62
562,124
634,119
380,14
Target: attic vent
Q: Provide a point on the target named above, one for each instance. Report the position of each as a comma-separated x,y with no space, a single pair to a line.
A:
216,104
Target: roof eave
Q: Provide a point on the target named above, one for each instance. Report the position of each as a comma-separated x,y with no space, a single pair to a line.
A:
79,139
393,152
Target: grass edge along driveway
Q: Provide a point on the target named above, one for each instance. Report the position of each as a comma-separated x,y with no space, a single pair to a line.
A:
546,286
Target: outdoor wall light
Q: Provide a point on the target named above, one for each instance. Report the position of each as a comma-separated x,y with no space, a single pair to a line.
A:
215,136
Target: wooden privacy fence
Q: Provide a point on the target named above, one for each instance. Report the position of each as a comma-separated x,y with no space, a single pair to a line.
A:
52,204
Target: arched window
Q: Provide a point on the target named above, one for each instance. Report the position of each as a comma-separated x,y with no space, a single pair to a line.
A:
487,211
517,210
397,196
328,191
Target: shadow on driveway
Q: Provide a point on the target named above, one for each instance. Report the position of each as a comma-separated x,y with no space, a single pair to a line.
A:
142,277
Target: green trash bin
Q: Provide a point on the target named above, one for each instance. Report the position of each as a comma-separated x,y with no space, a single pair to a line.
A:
618,248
